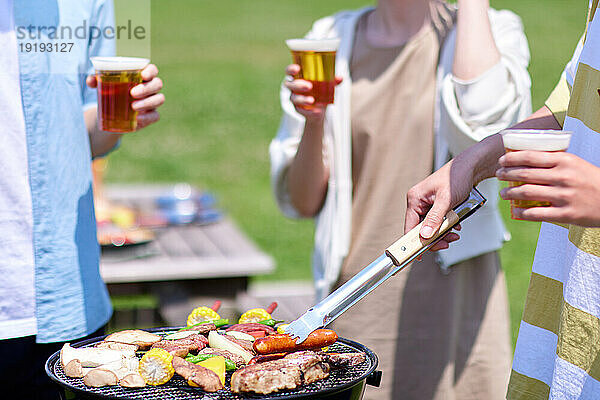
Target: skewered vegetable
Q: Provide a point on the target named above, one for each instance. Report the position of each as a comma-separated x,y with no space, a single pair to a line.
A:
229,365
257,314
254,315
202,314
270,322
217,341
257,334
197,376
156,367
217,365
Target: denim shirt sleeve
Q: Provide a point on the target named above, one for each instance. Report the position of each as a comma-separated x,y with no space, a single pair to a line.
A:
102,16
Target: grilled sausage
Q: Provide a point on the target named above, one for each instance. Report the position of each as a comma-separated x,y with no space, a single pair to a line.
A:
283,343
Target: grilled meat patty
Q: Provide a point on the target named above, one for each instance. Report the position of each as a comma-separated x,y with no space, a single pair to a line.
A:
203,329
181,347
343,360
197,375
289,372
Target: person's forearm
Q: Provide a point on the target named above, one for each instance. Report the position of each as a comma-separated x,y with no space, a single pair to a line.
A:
307,176
482,158
100,142
475,50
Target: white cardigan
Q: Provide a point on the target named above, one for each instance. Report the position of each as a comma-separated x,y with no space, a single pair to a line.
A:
465,113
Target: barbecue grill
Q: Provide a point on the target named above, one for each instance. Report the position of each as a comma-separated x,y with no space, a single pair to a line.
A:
343,384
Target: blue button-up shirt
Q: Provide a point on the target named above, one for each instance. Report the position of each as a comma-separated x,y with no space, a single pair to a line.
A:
71,298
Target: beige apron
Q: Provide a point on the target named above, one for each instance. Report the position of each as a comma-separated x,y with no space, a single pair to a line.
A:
437,336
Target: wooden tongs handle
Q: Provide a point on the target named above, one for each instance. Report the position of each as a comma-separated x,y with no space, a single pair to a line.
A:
410,244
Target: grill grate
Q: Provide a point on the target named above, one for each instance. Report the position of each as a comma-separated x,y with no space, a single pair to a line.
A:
177,388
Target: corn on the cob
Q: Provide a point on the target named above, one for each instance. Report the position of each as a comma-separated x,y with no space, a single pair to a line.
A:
202,314
281,328
254,315
156,367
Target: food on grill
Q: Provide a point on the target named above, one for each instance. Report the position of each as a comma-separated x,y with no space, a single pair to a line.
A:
181,334
218,341
267,357
343,360
217,365
289,372
197,376
229,365
202,328
281,363
257,314
181,347
132,381
90,357
202,314
134,336
117,346
241,335
280,343
156,367
251,327
123,372
243,343
281,328
237,359
100,377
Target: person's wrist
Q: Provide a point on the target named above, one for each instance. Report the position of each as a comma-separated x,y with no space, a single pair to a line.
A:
484,163
315,122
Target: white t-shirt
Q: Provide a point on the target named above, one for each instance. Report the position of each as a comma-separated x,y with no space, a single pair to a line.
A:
17,279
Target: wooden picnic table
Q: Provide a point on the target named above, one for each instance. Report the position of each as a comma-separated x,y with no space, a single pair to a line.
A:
186,265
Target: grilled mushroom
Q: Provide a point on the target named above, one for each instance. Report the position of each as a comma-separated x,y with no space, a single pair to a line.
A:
134,336
73,369
99,377
133,380
91,357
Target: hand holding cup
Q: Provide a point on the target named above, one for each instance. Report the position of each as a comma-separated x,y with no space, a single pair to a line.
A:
312,75
302,96
128,93
527,146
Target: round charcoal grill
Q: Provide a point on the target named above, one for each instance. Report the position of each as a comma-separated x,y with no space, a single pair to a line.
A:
343,384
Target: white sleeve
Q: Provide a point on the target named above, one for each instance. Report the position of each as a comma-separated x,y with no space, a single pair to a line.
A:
472,110
282,151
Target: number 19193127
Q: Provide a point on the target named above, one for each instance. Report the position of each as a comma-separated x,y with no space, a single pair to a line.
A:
46,47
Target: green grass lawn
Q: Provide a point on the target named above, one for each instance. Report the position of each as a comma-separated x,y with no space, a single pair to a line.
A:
222,63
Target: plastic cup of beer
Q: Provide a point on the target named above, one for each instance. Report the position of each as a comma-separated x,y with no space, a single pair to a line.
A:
533,139
316,59
116,77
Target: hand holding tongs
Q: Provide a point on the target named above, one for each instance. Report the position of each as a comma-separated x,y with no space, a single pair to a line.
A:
393,260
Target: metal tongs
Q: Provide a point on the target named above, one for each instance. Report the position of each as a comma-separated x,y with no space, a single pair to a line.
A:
397,257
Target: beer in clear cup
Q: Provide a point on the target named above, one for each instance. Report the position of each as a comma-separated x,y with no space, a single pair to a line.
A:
116,77
533,139
316,59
